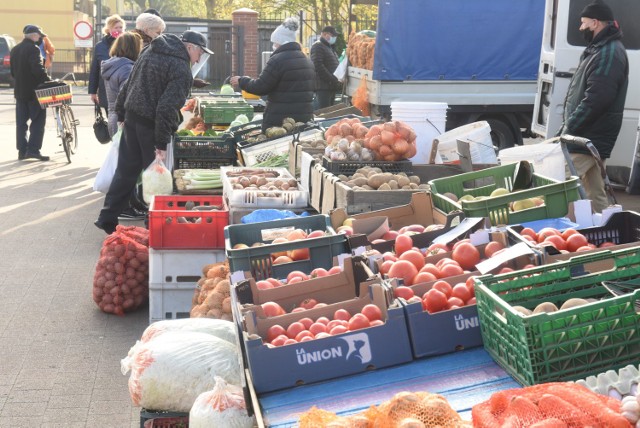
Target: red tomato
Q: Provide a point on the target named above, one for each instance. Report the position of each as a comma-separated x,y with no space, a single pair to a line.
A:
306,322
466,255
461,292
264,285
317,327
334,323
443,247
606,244
415,299
290,342
279,341
296,273
403,243
342,314
272,309
449,270
389,256
414,257
443,261
434,301
546,232
431,268
423,277
444,287
471,301
462,241
308,303
275,282
385,266
576,241
491,248
530,233
585,248
320,305
567,233
306,338
334,270
295,280
358,322
323,320
303,334
404,292
338,329
469,283
318,273
455,302
557,242
403,269
294,329
505,270
372,312
298,309
275,331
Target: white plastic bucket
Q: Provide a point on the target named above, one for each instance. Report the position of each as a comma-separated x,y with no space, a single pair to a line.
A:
547,159
481,145
427,120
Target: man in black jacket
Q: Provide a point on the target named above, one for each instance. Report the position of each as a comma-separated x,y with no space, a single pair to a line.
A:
325,62
595,99
149,104
28,70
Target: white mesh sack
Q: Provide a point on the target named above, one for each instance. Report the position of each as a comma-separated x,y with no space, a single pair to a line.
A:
224,406
220,328
171,370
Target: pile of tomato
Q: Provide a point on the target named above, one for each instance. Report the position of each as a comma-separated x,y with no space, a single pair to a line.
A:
569,241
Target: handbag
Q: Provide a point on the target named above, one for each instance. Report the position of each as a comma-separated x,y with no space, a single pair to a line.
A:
101,127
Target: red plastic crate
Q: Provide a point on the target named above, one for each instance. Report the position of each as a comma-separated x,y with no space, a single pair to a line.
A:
165,232
181,422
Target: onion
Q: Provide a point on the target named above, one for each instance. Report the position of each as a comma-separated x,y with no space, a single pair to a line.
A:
385,151
389,126
375,143
345,129
400,147
373,131
343,145
387,137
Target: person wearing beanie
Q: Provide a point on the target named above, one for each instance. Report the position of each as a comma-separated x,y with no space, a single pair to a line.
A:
325,61
287,79
594,104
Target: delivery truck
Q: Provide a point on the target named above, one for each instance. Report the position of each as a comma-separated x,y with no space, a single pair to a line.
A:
480,57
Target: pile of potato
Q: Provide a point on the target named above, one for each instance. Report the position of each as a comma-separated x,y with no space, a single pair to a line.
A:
371,178
255,182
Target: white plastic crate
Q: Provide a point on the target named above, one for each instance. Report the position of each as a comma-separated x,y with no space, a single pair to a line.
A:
280,199
173,275
226,183
260,152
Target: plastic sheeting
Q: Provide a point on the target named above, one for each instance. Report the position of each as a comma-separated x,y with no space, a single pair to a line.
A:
458,40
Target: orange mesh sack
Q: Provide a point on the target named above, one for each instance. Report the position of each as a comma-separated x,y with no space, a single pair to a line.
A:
550,405
419,409
361,97
121,280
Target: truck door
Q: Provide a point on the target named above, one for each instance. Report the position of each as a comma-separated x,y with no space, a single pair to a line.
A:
562,45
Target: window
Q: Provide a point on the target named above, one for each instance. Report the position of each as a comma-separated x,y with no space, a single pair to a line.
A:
625,12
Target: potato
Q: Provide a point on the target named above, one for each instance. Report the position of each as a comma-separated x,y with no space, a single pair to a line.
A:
360,181
378,180
403,180
406,187
413,186
343,177
414,179
357,175
573,302
393,184
367,187
384,186
424,187
545,307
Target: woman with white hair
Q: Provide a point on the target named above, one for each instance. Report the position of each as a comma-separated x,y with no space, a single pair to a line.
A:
288,79
149,26
114,26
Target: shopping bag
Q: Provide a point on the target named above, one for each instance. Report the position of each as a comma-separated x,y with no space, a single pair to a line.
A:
341,70
108,169
156,180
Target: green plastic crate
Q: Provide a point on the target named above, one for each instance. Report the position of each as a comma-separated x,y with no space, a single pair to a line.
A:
557,195
223,112
257,260
569,344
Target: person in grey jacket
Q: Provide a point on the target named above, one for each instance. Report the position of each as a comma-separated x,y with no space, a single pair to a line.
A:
149,104
116,70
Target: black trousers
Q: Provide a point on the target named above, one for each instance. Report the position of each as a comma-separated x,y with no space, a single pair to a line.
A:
25,111
136,152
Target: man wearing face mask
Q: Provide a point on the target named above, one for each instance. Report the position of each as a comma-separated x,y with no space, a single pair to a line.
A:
28,71
325,62
149,103
595,99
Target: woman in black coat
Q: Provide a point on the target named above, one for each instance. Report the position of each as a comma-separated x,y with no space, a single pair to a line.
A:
114,26
288,79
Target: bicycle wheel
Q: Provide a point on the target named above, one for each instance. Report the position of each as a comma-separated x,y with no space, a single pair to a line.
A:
59,115
71,132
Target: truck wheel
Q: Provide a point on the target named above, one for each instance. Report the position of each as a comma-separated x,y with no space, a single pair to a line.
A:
501,134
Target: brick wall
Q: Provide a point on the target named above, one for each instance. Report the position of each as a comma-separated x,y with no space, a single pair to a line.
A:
247,19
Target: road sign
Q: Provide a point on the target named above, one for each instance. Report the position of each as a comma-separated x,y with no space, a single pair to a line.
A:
83,30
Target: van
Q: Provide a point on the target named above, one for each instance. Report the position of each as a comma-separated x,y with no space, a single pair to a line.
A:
562,45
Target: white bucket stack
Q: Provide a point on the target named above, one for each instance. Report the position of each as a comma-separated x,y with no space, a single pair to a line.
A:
428,120
547,158
478,134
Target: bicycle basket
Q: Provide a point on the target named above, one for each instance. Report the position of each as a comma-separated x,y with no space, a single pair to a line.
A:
54,96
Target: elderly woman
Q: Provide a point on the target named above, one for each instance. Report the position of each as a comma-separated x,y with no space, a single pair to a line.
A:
288,79
149,26
114,26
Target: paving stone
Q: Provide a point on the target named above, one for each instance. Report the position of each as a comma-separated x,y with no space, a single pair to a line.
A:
70,401
22,409
19,422
28,396
110,407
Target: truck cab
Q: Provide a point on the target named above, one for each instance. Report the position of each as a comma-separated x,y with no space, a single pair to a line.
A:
562,45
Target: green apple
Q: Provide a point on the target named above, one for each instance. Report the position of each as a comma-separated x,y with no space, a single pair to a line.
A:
499,192
467,198
523,204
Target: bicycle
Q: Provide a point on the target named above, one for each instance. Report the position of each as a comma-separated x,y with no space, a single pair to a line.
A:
58,96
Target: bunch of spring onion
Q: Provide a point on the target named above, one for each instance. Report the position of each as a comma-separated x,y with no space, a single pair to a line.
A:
197,179
277,161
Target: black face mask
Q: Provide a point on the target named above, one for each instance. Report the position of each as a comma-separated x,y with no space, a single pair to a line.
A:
588,35
39,42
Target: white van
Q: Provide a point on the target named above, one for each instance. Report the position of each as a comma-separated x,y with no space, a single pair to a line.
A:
562,45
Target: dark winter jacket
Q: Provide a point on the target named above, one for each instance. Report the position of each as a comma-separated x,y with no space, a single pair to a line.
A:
115,71
288,81
595,99
27,69
325,61
96,84
158,87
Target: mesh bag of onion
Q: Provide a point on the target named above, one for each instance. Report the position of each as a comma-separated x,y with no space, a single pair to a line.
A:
121,281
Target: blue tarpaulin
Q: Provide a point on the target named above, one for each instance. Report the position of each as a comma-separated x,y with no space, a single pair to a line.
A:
458,39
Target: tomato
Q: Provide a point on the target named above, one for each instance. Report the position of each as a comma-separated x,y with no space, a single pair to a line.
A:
471,301
403,292
317,327
275,331
585,248
296,273
443,247
423,277
385,266
444,287
275,282
338,329
323,320
290,342
466,255
505,270
306,322
298,309
576,241
320,305
303,334
335,270
295,280
557,242
414,257
372,312
546,232
461,292
462,241
414,299
389,256
403,243
435,251
294,329
444,261
491,248
279,341
455,302
527,231
264,285
306,338
434,301
318,273
606,244
567,233
358,322
334,323
470,282
404,270
342,314
308,303
431,268
272,309
449,270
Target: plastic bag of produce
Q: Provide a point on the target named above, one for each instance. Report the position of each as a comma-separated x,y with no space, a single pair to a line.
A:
219,328
121,280
171,370
156,180
108,169
222,407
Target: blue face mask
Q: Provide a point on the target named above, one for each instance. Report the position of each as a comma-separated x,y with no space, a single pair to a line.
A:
332,40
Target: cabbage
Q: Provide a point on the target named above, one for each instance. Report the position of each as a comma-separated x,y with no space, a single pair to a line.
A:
235,123
227,90
242,118
220,328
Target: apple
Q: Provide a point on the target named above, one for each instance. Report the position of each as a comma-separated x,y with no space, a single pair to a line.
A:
264,285
347,230
282,259
348,222
299,254
316,234
318,273
334,270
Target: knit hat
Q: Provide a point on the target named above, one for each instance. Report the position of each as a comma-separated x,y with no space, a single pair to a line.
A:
286,32
153,12
597,10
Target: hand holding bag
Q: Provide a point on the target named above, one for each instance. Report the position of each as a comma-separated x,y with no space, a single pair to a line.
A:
101,127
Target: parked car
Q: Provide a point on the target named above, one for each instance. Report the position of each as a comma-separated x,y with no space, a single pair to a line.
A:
6,44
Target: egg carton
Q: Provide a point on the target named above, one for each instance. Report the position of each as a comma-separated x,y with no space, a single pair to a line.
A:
618,384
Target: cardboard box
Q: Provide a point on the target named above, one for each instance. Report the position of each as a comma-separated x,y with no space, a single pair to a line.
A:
295,157
274,368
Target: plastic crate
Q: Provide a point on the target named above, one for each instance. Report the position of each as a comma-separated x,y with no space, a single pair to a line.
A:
281,199
154,419
567,344
557,195
243,132
224,112
214,150
201,163
165,231
173,277
254,153
258,261
349,168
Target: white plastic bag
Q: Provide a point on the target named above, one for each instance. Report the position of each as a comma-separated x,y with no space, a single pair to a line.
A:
341,70
216,327
222,407
156,180
171,370
108,169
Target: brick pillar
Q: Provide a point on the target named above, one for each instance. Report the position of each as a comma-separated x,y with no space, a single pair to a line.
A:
247,21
